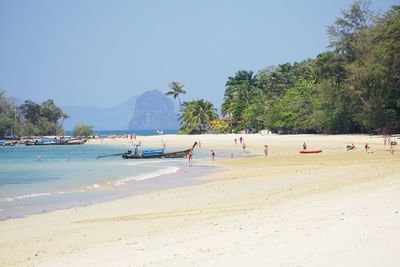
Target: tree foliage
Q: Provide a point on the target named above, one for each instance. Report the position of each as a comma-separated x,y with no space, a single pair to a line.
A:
30,118
83,130
176,89
196,115
355,87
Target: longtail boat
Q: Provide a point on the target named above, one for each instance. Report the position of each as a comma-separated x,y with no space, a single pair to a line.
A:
151,153
8,143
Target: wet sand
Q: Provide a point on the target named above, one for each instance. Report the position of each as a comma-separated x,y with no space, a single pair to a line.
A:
337,208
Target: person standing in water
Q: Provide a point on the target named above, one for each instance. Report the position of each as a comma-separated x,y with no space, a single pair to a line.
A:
266,150
212,155
190,156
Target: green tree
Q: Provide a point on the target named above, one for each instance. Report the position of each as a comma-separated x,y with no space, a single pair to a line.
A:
31,111
241,90
342,33
83,130
176,90
196,115
374,74
9,118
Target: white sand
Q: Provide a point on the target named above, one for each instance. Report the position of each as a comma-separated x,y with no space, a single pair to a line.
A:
337,208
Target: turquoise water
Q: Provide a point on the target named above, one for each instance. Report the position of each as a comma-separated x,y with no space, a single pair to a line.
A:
71,176
66,176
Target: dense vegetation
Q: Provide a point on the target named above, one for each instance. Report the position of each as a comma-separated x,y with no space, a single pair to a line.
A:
83,130
354,87
30,118
196,115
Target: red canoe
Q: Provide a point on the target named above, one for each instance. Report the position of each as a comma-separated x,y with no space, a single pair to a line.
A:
310,151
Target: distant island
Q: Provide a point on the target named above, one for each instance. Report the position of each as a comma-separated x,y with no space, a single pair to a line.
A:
153,110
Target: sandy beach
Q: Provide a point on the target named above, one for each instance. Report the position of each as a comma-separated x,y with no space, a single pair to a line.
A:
336,208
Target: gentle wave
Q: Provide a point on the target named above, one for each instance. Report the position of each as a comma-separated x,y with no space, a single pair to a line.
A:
148,162
149,175
8,199
167,170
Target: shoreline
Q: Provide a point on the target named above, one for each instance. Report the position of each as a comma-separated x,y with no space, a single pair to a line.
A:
168,175
303,209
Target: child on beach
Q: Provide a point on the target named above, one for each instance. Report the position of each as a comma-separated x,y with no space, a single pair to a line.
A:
304,146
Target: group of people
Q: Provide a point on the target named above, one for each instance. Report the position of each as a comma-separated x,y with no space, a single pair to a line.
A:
367,147
190,153
241,140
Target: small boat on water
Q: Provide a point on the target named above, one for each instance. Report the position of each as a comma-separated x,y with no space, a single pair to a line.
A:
56,141
310,151
8,143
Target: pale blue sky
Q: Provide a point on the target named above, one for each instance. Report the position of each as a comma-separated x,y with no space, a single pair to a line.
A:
100,53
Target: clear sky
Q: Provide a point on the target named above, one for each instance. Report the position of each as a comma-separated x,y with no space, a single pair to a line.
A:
96,52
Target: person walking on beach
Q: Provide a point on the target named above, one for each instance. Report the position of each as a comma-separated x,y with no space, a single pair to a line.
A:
212,155
235,141
241,140
367,147
391,148
304,146
190,156
266,150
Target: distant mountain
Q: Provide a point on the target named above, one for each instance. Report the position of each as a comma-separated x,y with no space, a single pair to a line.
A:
113,118
154,111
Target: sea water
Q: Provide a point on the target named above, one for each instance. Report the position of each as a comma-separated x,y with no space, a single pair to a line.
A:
37,179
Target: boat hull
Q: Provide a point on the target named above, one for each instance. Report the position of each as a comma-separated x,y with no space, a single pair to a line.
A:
56,143
178,154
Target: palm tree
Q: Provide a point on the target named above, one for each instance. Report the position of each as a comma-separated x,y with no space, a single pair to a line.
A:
176,90
196,114
241,90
